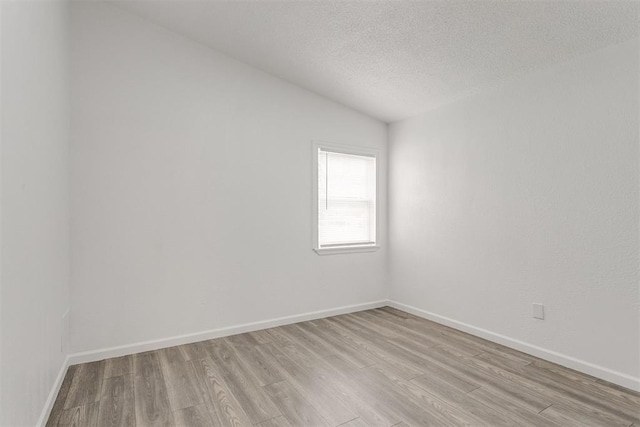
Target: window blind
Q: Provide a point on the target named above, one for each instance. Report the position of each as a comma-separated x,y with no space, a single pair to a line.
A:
346,199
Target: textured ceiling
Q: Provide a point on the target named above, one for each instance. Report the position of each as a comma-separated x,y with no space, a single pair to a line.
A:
395,59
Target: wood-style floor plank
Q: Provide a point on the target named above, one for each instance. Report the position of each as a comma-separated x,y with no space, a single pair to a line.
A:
182,386
577,417
262,368
435,408
278,337
624,406
275,422
567,394
117,402
242,383
364,401
511,405
86,385
294,406
377,368
195,351
308,382
405,406
453,370
262,337
173,354
193,416
339,346
355,423
80,416
223,407
374,347
118,366
426,334
484,415
151,398
302,338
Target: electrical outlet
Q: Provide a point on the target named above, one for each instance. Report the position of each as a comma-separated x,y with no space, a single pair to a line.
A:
64,332
538,311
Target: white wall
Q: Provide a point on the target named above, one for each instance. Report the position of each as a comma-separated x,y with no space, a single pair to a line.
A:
34,279
528,193
191,188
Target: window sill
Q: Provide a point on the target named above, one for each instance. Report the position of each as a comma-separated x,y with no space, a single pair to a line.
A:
345,250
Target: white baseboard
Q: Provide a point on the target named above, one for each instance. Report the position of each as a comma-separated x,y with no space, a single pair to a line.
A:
95,355
615,377
601,372
53,394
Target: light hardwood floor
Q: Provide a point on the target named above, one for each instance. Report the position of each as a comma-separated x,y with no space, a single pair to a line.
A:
379,367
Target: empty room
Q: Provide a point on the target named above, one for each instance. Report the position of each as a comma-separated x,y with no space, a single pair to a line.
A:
319,213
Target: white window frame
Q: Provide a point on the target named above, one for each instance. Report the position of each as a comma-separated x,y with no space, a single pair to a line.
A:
344,149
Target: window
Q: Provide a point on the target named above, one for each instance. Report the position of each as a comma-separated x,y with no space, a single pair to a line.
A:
345,202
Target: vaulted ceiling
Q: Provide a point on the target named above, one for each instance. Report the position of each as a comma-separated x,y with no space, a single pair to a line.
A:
395,59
